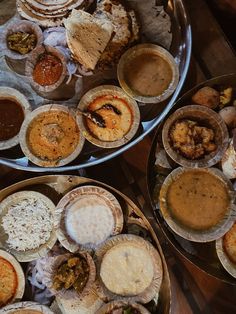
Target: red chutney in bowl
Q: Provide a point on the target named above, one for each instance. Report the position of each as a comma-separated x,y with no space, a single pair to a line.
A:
47,70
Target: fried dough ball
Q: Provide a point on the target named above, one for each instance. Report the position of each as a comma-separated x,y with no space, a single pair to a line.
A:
207,96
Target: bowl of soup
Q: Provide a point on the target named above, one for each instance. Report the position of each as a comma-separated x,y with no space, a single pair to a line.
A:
148,73
198,203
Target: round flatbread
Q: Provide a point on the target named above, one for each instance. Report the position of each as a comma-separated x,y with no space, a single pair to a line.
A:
28,15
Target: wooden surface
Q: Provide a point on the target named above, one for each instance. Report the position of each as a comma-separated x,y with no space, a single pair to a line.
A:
193,291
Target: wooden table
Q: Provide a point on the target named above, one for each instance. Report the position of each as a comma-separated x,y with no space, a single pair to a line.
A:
193,291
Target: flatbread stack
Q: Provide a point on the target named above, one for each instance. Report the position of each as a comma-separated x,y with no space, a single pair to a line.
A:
48,13
87,37
126,30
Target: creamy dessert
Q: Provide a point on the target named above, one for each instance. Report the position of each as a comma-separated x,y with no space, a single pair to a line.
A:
198,199
229,244
127,269
8,282
53,135
89,220
117,115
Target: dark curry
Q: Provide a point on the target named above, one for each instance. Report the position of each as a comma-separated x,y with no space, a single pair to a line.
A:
11,119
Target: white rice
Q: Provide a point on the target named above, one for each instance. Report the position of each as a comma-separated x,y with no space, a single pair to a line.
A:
28,224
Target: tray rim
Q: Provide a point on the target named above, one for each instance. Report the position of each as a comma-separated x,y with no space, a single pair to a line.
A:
52,178
92,161
171,240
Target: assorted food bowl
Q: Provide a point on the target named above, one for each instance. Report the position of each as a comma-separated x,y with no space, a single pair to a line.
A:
97,265
193,184
56,43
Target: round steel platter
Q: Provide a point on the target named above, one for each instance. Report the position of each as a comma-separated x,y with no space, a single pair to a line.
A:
151,115
203,255
56,186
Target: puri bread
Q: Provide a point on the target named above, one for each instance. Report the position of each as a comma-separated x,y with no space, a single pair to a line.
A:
87,37
229,243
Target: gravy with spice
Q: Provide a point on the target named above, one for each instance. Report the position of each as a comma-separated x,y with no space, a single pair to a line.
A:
198,199
148,74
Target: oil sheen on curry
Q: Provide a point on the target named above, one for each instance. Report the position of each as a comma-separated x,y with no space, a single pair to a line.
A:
148,74
53,135
116,114
198,199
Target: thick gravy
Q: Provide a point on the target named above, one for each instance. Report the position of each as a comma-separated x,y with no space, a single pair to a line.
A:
198,199
148,74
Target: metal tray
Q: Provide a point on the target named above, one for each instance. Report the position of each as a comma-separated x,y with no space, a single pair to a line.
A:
55,186
151,115
203,255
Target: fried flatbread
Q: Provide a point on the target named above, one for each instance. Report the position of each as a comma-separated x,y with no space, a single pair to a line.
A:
118,15
229,244
8,282
87,37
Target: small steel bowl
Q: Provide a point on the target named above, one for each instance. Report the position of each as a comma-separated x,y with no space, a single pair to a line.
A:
137,51
207,117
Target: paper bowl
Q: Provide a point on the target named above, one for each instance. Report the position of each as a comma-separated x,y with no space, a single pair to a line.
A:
228,265
30,254
20,276
32,61
114,91
26,305
152,290
73,196
21,26
137,51
206,117
52,266
202,235
24,137
16,96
